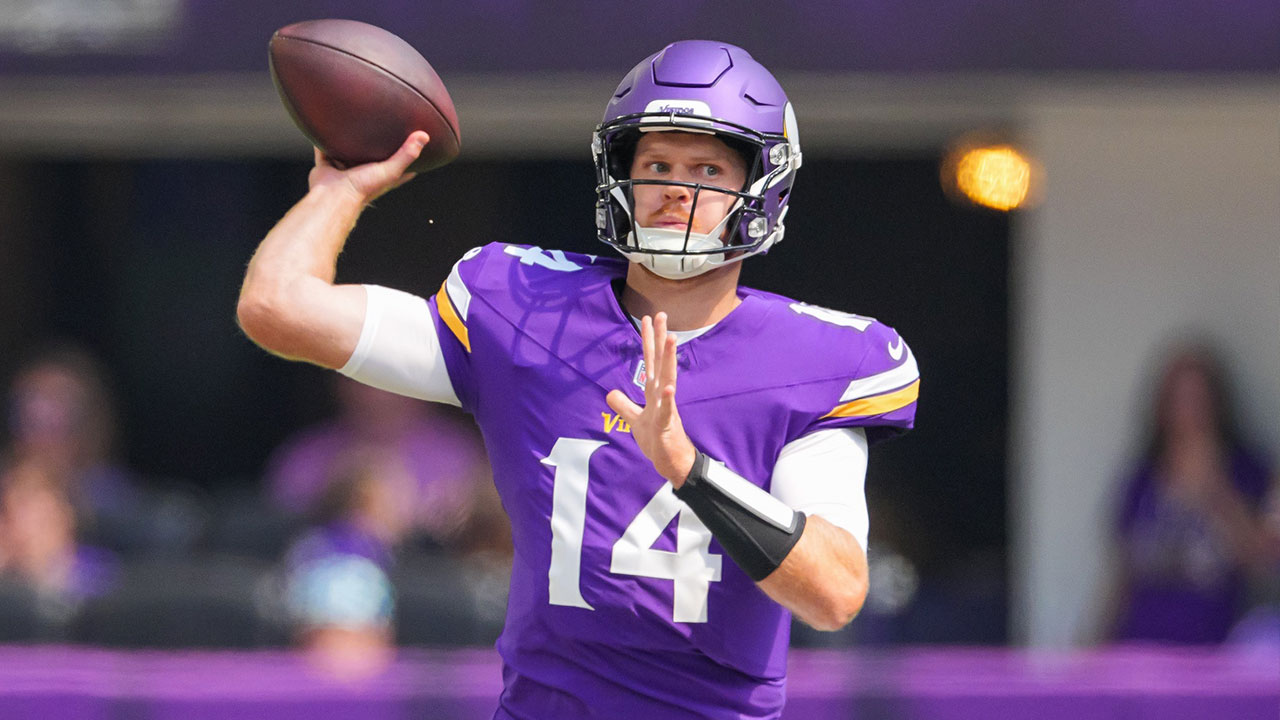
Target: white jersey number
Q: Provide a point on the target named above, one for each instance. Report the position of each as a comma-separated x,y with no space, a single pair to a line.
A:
835,317
549,259
692,566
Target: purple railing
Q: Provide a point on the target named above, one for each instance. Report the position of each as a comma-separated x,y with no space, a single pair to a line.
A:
61,683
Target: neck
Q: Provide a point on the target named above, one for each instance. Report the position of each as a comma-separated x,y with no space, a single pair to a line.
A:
690,304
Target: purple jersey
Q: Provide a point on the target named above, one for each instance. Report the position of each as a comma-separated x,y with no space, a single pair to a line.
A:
1185,584
622,604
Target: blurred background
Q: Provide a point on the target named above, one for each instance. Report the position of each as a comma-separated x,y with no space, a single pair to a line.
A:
1071,211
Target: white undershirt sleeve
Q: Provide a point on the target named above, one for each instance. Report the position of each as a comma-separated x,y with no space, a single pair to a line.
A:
823,474
399,350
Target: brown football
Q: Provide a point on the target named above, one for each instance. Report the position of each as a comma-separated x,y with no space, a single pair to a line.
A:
357,91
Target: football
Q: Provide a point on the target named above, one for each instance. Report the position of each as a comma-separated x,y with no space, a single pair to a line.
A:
357,91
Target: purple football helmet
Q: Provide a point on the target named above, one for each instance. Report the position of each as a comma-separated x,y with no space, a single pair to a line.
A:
702,87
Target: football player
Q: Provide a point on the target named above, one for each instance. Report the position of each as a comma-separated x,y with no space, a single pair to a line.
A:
682,458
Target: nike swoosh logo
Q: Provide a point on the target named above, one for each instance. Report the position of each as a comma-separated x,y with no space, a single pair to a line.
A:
896,348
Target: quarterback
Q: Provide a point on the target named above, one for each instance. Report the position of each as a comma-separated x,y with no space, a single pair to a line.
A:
682,458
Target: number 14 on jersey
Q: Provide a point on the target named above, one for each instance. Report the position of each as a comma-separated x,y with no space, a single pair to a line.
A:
692,566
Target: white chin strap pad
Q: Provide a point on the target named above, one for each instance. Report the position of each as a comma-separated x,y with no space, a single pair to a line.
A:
675,267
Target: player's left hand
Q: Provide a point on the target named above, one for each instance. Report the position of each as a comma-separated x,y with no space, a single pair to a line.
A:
656,426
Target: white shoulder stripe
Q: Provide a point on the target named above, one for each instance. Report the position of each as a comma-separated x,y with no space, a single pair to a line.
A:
904,374
458,291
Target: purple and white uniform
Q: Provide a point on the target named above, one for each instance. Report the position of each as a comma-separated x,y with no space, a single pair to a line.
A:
621,603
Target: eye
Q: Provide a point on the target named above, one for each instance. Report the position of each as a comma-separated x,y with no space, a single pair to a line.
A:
658,167
712,170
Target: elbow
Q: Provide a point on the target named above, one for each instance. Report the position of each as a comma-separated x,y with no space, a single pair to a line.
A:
263,317
254,314
839,606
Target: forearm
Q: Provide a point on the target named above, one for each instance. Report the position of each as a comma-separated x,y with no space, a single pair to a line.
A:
823,580
805,563
306,242
288,303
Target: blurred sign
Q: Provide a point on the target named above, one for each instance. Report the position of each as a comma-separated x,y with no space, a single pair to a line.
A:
61,27
173,37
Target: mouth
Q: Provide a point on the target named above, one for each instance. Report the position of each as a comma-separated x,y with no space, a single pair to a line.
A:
670,221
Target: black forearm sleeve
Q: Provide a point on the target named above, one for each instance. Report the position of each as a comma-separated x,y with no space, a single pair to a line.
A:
756,529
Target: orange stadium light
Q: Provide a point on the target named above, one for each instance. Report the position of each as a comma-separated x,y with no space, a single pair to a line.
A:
997,176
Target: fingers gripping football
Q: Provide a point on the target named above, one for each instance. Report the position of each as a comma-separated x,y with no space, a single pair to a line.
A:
371,180
656,427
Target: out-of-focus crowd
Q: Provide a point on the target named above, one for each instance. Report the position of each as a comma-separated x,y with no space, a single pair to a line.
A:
381,527
386,509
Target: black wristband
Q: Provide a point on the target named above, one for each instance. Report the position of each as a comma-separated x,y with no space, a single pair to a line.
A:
756,530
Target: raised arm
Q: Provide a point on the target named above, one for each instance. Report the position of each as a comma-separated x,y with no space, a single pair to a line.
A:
289,303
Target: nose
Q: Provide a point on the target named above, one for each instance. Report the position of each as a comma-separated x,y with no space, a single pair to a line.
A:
676,193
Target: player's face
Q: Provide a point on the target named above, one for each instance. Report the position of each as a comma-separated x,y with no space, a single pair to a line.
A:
684,157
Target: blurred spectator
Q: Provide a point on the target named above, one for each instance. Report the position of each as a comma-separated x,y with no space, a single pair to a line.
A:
1191,528
37,528
434,467
38,546
338,593
62,419
1260,628
61,415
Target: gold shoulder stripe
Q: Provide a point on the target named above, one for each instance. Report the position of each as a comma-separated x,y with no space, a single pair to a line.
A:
450,317
878,404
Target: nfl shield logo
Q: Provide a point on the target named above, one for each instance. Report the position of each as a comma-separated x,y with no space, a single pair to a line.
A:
640,378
